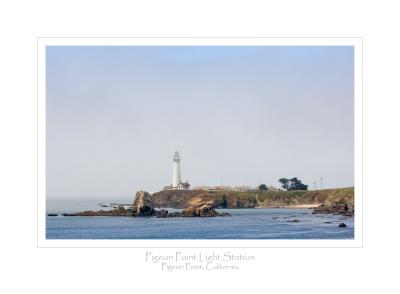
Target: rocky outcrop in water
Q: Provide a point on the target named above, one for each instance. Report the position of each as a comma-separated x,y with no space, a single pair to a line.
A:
342,208
200,207
293,221
142,205
197,207
115,212
203,210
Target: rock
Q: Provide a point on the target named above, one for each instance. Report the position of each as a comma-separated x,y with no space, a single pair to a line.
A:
342,225
200,207
199,202
162,213
336,208
174,214
327,222
85,213
142,206
52,214
115,212
202,211
223,214
293,221
120,211
173,198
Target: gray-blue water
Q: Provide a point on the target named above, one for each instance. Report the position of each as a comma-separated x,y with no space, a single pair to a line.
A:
269,223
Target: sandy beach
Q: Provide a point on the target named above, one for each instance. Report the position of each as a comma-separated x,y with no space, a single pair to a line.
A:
292,206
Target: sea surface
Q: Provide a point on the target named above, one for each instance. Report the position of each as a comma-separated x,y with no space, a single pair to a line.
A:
257,223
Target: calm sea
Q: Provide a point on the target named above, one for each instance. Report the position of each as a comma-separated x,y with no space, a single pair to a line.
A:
272,223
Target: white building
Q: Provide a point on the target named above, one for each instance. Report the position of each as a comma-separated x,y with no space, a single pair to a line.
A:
176,174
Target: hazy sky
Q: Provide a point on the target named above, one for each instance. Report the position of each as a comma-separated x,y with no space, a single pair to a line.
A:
115,116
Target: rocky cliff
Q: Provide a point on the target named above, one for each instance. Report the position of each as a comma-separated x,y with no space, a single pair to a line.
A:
142,204
216,199
201,203
335,200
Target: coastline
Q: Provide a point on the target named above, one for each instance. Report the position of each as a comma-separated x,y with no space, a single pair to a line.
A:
205,203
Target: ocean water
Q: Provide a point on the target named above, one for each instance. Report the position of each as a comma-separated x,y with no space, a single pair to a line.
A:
271,223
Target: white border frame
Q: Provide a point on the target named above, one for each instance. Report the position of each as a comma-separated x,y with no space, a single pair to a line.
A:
358,150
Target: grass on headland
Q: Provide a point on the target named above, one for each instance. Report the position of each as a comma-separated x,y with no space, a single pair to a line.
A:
291,197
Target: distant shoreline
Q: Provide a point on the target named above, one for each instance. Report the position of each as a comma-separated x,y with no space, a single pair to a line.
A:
335,201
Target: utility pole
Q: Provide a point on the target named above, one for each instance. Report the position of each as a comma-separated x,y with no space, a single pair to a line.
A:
314,185
321,182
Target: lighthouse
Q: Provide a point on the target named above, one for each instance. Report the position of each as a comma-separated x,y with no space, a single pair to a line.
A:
176,170
176,174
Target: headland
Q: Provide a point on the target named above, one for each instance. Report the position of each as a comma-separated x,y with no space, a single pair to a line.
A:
203,203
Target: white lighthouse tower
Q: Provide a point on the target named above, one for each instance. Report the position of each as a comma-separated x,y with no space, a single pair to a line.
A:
176,171
176,175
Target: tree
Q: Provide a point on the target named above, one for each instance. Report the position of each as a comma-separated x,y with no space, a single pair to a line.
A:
296,184
302,186
263,187
292,184
285,183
